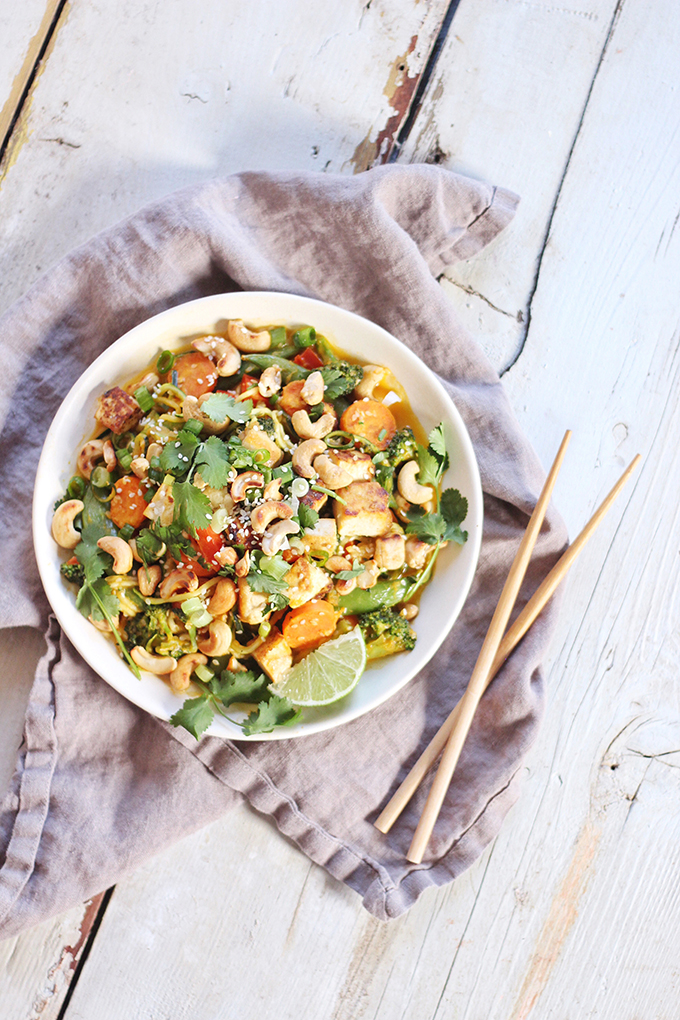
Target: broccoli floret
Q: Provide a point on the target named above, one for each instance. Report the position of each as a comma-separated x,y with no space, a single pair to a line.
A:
153,625
401,447
341,377
73,572
266,423
386,632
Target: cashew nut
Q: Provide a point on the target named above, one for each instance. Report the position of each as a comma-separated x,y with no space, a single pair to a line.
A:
223,597
63,532
312,391
270,381
306,429
370,575
409,611
275,536
109,454
140,467
245,340
150,380
92,451
417,552
154,450
243,565
332,475
372,377
337,563
228,359
178,582
246,480
345,587
409,487
226,556
102,625
148,579
191,408
180,678
120,550
158,664
217,640
234,666
272,490
265,513
305,454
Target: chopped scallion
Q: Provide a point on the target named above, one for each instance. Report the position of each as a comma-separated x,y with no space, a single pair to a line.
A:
144,399
166,359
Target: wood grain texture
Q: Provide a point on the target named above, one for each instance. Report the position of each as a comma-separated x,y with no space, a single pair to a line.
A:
24,28
133,101
572,911
137,100
38,967
505,103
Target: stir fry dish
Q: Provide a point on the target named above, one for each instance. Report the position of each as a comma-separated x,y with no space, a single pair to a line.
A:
253,522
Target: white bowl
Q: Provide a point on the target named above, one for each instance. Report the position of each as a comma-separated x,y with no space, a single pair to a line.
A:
443,597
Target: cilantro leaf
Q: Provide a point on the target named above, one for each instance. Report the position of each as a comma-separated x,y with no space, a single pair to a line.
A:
192,507
428,527
195,715
454,508
221,407
429,467
239,686
96,599
257,581
178,453
266,574
93,560
275,712
437,443
347,575
307,516
212,460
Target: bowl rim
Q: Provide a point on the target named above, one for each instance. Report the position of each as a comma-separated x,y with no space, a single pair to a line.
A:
293,307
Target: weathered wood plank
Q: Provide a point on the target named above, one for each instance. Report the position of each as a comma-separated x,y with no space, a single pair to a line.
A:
570,907
38,967
137,101
104,130
24,29
505,102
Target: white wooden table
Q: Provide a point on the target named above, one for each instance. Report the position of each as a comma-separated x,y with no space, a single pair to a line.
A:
574,910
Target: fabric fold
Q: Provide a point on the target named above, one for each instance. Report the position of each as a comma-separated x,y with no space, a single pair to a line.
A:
100,786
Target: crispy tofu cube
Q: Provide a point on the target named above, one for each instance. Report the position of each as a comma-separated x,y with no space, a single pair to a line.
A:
305,581
255,438
314,500
366,511
358,465
274,655
117,410
390,551
323,537
251,604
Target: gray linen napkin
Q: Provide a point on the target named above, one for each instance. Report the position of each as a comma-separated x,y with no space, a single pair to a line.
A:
100,785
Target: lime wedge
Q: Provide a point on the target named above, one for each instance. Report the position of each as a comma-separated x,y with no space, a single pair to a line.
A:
326,674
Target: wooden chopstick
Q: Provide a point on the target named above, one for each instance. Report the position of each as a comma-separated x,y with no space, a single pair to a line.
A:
513,636
480,674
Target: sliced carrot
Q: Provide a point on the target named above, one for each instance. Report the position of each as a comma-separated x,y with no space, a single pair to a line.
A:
370,419
196,374
128,504
309,624
291,400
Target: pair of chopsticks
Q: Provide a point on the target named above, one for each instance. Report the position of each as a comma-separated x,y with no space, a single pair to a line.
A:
495,650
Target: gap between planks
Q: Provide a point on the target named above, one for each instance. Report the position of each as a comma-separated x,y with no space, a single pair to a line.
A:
539,261
26,75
